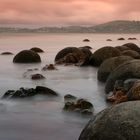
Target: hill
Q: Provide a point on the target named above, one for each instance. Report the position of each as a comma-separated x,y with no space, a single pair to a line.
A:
119,26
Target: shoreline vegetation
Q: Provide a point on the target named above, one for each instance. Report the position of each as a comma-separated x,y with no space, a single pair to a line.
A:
118,26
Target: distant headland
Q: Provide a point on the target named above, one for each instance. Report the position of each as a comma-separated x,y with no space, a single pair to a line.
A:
118,26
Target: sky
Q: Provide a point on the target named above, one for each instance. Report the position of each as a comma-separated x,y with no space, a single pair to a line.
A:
67,12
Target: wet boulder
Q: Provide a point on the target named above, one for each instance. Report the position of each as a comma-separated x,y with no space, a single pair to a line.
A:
131,53
86,47
28,92
41,90
49,67
6,53
129,69
119,122
86,40
109,65
102,54
81,106
109,40
122,48
37,50
132,38
69,55
132,46
121,38
27,56
37,76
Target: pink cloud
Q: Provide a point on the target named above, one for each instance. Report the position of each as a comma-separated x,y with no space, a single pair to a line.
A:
67,12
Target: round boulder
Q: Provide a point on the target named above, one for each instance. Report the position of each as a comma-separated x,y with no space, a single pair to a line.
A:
120,122
102,54
37,50
27,56
122,48
6,53
127,70
69,55
109,65
131,53
132,46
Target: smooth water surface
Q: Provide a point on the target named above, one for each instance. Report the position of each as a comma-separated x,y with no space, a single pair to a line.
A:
42,118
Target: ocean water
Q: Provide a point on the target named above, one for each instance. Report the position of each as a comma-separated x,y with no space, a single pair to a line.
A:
41,117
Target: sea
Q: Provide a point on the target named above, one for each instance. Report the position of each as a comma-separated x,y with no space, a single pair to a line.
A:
43,118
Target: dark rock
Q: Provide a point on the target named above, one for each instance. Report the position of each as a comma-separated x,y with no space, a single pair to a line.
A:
108,40
86,47
49,67
86,40
131,53
86,112
69,97
27,56
28,92
121,38
132,46
102,54
122,48
45,91
127,70
69,55
6,53
37,50
109,65
37,76
81,105
120,122
132,38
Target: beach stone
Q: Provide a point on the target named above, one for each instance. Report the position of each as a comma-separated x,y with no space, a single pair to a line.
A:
86,40
69,55
132,38
102,54
37,50
37,76
81,106
45,91
6,53
109,65
27,56
131,53
119,122
49,67
121,38
68,97
122,48
86,47
129,69
132,46
28,92
109,40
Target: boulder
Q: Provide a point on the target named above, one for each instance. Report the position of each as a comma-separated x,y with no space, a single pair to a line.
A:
127,70
6,53
109,65
108,40
119,122
122,48
131,53
69,55
87,47
49,67
102,54
132,46
45,91
28,92
121,38
27,56
86,40
37,76
132,38
37,50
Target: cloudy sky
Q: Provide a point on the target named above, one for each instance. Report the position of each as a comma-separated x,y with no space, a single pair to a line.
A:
67,12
